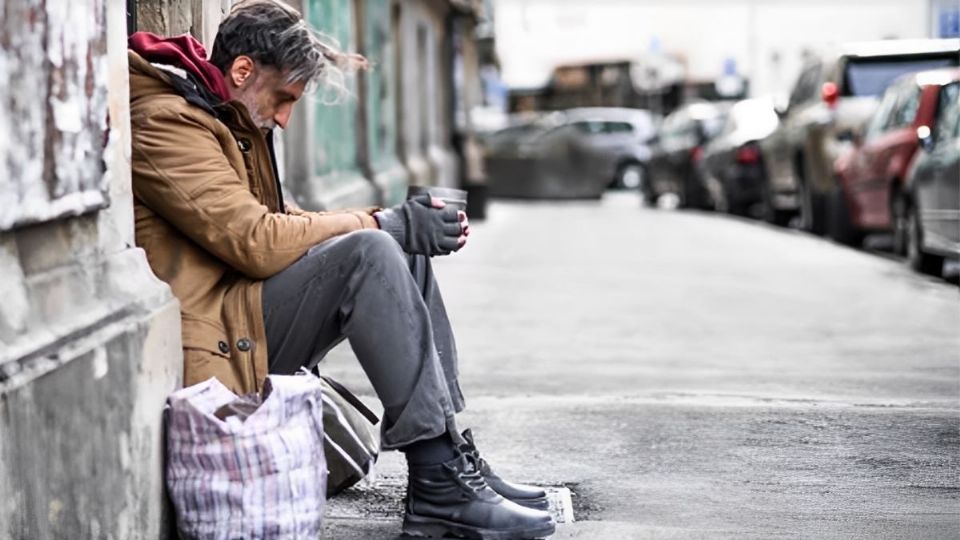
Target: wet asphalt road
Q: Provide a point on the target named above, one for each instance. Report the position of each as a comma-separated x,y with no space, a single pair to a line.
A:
695,375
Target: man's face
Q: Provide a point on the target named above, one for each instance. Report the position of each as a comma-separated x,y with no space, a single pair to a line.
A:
264,91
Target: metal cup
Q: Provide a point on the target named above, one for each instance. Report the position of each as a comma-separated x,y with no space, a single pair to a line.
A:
450,196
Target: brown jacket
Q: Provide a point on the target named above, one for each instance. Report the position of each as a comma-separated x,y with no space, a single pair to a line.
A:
206,208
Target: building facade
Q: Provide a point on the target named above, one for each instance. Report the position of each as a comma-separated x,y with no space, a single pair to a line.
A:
760,40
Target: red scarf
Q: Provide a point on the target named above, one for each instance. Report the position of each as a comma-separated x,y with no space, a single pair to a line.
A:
184,52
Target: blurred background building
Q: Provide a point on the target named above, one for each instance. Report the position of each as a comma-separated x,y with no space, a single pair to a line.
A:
657,53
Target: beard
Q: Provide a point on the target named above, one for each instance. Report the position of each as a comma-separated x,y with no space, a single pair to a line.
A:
250,102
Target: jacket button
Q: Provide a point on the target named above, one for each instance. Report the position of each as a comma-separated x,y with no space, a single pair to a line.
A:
244,145
224,348
244,344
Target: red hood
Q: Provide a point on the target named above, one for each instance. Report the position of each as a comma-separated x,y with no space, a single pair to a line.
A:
182,51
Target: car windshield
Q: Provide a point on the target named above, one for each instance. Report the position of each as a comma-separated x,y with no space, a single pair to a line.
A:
712,124
871,76
525,130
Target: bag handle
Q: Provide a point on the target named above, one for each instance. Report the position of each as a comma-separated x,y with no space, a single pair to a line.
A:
342,391
352,399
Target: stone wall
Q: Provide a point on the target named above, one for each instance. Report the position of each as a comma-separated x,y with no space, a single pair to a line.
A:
199,18
89,339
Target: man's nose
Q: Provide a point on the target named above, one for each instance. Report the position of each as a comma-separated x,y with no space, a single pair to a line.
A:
283,115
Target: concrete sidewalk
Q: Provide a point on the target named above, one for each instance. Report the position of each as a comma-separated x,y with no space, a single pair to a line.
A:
696,376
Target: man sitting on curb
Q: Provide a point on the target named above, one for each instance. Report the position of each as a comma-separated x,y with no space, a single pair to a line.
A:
263,286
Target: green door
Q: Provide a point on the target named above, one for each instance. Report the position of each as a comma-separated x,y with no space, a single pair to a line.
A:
379,46
335,126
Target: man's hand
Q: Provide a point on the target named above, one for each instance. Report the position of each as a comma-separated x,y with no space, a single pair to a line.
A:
426,226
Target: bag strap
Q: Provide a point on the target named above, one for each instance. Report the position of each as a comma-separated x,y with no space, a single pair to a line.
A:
351,399
329,403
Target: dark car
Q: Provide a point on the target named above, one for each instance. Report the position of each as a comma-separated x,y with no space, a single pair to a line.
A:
675,162
732,162
869,193
932,214
576,153
836,92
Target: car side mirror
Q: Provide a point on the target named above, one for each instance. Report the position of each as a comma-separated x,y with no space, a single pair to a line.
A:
925,138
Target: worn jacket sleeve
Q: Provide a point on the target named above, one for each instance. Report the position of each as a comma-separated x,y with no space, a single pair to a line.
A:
182,174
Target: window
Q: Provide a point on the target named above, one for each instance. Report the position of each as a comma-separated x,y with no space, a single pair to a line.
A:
905,111
870,76
588,127
948,113
710,127
617,127
677,128
881,116
806,87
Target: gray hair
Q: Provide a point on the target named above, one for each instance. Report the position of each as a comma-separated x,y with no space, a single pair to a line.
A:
274,34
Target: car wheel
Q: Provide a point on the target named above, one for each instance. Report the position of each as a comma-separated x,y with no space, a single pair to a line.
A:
841,227
630,176
919,260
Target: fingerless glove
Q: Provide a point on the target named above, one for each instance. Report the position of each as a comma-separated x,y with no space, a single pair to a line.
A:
422,229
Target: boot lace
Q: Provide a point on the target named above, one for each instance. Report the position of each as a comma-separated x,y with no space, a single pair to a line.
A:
471,450
470,475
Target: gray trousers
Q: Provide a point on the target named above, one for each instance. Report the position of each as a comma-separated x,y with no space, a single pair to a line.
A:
363,287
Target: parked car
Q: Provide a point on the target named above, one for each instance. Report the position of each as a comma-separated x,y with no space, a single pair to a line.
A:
932,212
835,93
732,163
576,153
869,193
678,149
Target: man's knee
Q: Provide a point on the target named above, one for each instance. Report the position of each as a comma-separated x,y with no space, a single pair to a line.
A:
375,241
376,246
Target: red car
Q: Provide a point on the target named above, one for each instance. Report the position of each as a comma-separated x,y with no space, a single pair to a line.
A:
869,194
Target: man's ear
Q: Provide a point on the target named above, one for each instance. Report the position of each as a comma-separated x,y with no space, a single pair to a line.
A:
241,71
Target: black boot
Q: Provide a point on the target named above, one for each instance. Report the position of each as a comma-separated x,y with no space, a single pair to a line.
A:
454,498
529,496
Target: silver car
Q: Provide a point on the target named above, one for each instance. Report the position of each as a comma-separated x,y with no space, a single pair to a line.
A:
577,153
832,98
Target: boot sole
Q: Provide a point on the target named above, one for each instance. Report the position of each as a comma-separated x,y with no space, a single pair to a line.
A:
436,528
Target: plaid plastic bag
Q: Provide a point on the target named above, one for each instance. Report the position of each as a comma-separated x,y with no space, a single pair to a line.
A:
250,467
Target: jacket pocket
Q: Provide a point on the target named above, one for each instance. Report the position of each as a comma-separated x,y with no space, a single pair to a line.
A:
200,365
207,353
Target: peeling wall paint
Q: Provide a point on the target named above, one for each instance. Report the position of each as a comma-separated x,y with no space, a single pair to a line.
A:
53,109
89,338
